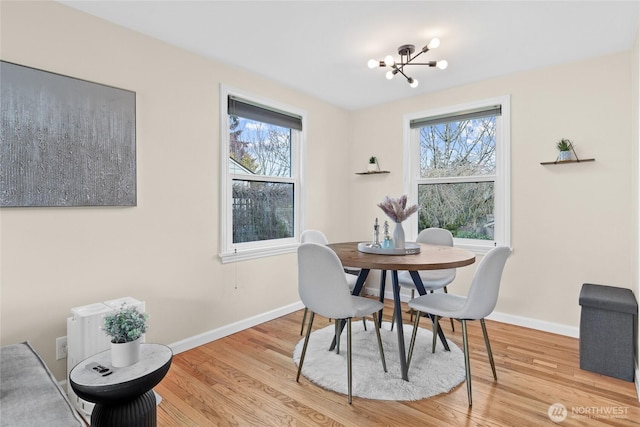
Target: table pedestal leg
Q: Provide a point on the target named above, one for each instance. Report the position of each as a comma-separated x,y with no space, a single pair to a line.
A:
383,283
140,412
399,328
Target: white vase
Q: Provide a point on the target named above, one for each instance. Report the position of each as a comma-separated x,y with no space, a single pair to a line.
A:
398,236
125,354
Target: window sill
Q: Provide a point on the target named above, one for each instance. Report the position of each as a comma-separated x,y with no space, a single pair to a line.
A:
477,248
254,253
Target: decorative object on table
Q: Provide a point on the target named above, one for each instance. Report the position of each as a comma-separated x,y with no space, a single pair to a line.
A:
373,164
405,52
376,234
431,374
565,147
397,210
387,243
125,327
410,248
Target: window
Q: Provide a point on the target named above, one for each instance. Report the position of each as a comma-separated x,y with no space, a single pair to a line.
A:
457,170
260,164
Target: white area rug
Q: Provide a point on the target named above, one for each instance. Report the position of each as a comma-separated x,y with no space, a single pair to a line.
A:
429,373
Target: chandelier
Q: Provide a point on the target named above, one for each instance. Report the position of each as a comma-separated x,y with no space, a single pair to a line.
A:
405,51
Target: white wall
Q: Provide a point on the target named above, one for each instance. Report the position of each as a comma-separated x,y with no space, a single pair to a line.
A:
164,250
635,84
571,223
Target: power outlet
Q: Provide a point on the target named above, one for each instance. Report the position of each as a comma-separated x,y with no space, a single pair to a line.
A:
61,348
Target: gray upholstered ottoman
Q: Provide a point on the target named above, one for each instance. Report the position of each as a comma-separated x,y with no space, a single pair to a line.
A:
607,330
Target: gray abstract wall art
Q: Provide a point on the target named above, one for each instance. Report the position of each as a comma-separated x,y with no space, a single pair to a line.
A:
65,141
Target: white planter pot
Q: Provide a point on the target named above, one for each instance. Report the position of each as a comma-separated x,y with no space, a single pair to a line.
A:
372,167
564,156
125,354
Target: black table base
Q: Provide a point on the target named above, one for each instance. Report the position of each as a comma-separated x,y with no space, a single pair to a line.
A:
140,412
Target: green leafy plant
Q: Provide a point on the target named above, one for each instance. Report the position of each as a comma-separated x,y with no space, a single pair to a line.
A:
564,145
125,325
372,160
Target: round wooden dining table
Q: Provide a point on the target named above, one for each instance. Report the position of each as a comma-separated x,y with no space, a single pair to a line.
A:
430,257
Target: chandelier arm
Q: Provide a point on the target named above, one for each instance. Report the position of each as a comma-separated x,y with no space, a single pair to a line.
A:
414,57
430,63
401,72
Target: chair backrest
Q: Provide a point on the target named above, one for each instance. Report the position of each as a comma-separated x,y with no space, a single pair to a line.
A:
322,284
483,292
435,236
313,236
442,237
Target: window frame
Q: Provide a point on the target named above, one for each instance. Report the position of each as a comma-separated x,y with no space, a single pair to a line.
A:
232,252
502,182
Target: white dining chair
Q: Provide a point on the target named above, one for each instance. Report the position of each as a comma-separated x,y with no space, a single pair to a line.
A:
324,290
317,236
479,303
431,279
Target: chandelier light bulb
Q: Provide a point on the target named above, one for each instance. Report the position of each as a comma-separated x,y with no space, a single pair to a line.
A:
389,61
373,63
389,75
442,64
413,82
434,43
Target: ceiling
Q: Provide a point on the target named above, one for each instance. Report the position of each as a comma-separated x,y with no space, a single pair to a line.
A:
322,47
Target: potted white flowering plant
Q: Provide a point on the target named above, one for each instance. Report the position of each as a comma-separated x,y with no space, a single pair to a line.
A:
125,326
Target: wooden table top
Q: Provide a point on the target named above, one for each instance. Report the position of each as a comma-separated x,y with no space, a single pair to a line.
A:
431,257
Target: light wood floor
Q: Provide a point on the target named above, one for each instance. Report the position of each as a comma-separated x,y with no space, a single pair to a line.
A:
249,379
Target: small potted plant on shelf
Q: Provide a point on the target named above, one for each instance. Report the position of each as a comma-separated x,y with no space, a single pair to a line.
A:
373,164
125,326
565,147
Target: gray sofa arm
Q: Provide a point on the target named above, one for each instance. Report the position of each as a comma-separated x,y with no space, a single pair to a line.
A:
29,393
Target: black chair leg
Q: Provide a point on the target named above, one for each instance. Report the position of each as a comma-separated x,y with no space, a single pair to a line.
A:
375,320
413,338
304,346
435,333
453,329
304,319
349,364
467,366
486,342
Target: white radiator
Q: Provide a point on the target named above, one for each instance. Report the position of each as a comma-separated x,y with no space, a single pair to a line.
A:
85,338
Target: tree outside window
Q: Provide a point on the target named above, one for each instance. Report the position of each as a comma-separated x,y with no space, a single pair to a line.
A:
457,175
457,168
263,207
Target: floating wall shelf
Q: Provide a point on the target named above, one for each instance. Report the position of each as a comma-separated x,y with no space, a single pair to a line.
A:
560,162
371,173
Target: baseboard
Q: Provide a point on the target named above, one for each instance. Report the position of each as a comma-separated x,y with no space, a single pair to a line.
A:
527,322
214,334
540,325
